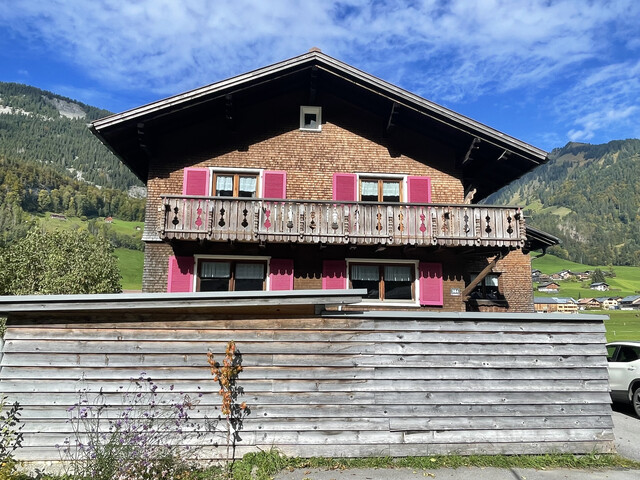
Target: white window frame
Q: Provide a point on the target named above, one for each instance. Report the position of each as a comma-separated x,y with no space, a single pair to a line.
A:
384,176
389,261
304,109
251,171
231,258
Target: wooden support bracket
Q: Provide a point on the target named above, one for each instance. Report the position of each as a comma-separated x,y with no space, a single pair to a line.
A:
485,271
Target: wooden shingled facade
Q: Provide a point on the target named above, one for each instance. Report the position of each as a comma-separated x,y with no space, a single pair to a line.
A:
320,381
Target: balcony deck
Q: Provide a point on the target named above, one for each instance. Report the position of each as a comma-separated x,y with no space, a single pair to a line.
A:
331,222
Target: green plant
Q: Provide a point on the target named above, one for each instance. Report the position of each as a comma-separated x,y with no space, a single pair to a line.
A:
10,435
146,436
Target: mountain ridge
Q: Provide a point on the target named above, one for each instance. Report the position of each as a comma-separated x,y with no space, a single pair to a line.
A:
588,196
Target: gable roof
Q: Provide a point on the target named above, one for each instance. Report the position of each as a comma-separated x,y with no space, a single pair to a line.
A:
478,147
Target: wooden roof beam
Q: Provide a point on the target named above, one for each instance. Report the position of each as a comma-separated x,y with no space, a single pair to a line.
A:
313,84
393,117
475,145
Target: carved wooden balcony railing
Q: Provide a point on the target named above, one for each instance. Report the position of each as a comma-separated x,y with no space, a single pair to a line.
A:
359,223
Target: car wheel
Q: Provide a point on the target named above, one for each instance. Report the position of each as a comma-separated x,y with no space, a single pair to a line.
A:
635,401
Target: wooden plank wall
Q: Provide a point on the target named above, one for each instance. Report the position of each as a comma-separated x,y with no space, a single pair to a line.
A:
336,385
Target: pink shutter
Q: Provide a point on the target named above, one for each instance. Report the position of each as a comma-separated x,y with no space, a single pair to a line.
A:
274,184
281,274
431,287
196,181
180,277
334,274
345,187
419,189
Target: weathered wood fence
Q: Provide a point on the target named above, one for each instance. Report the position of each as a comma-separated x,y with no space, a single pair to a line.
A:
332,384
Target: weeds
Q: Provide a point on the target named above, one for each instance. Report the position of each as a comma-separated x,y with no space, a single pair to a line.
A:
146,436
10,436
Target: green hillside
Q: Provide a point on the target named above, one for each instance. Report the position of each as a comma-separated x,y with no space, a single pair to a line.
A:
624,281
55,173
46,129
589,197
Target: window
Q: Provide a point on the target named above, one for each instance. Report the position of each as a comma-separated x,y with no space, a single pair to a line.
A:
384,282
380,190
228,184
487,288
231,275
311,118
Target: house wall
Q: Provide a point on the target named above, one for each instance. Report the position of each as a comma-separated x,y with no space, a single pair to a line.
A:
352,140
341,384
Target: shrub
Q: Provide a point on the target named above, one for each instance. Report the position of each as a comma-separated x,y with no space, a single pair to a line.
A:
146,436
10,436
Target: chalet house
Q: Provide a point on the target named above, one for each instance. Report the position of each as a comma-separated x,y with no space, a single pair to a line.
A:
589,304
556,305
600,286
328,222
311,174
551,287
609,303
631,302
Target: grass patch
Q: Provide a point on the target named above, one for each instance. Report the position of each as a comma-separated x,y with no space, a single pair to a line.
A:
265,465
622,325
130,263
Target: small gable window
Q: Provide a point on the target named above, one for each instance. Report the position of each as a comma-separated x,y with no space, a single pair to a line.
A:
311,118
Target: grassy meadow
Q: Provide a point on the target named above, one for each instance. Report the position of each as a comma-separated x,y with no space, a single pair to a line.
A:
622,325
129,261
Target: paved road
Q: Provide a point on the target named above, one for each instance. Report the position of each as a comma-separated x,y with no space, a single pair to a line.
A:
626,427
459,474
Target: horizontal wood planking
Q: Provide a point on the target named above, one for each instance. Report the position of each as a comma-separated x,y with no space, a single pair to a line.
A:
400,386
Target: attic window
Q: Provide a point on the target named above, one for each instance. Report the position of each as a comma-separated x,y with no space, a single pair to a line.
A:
311,118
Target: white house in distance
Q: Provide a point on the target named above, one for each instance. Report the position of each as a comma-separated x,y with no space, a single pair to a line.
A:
600,286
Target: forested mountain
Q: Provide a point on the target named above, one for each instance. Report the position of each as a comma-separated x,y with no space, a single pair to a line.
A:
51,162
589,197
47,129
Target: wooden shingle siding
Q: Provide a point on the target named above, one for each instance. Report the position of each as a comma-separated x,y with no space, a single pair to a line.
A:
338,384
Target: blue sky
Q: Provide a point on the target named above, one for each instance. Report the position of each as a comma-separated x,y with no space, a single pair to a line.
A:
546,72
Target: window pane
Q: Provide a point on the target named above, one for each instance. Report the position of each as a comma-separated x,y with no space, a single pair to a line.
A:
310,120
365,272
397,290
491,280
390,191
373,287
214,285
224,185
397,273
369,191
242,285
215,270
250,271
247,187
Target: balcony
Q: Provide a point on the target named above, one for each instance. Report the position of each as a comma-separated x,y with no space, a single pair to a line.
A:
330,222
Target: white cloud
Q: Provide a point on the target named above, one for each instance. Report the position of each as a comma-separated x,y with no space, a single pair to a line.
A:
451,51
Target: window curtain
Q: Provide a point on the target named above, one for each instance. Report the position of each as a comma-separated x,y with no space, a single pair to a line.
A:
397,273
248,184
491,280
370,189
224,183
215,270
246,271
365,272
391,189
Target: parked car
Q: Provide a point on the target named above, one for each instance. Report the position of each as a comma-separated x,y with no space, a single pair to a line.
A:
624,372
